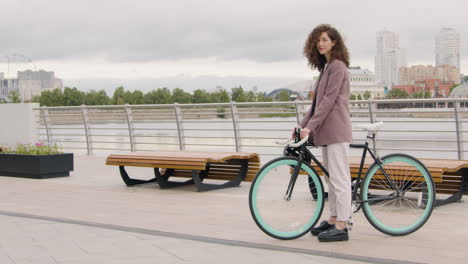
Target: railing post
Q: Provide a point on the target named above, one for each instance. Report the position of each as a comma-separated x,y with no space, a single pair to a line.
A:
45,115
371,111
131,131
459,128
235,125
372,120
84,112
180,127
298,115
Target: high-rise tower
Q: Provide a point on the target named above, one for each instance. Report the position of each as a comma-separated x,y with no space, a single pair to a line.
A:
447,48
389,58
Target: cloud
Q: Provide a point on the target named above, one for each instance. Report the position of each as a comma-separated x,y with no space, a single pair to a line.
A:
262,30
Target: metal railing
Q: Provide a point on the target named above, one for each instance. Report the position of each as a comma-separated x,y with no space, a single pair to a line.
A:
424,127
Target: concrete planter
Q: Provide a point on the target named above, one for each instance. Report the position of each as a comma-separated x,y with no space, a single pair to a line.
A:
36,166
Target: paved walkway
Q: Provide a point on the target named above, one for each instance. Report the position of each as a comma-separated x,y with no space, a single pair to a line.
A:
26,239
92,217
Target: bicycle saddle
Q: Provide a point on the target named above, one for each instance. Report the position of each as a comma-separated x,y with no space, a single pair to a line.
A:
370,127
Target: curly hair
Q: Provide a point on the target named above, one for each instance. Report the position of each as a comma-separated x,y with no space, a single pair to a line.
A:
338,52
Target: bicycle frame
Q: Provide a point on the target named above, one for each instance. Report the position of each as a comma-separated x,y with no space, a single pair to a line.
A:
305,154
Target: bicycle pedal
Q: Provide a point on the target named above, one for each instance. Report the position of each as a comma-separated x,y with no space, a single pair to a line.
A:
354,207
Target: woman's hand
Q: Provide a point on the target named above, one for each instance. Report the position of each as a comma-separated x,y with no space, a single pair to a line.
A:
293,134
305,132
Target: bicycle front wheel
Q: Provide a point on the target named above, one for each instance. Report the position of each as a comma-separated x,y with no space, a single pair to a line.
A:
273,212
402,203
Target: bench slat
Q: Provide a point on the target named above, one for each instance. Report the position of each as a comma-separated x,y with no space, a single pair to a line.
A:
214,157
157,162
159,166
223,165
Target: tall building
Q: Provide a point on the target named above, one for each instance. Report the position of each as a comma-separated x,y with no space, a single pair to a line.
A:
413,74
32,83
389,58
29,84
447,48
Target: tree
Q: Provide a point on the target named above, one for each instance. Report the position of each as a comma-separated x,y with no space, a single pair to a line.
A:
96,98
359,97
284,96
397,93
128,97
367,95
72,97
425,94
352,97
164,96
201,96
181,97
219,97
150,97
250,97
52,98
224,97
137,97
13,97
118,97
159,96
261,97
238,94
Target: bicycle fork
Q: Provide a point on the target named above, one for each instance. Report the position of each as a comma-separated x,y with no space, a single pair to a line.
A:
292,181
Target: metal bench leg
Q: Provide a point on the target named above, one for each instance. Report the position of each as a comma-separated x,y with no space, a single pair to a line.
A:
131,182
198,177
456,197
163,181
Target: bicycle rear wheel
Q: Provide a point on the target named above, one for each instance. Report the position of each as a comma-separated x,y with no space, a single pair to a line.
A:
277,216
403,207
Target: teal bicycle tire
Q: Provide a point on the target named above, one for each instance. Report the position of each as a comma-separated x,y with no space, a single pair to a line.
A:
254,197
420,205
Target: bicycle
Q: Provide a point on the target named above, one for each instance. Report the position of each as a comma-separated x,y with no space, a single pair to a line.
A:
287,197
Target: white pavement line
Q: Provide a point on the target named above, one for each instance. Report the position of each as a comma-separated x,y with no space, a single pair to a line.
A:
210,239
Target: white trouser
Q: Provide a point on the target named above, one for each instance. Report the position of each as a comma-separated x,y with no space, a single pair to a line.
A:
336,160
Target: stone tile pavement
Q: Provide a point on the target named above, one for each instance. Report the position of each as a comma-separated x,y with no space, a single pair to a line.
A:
29,240
92,217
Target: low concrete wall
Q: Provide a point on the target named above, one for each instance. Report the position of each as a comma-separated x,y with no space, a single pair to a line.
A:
18,123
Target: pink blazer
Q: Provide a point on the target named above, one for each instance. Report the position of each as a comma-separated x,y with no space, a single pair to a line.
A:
331,122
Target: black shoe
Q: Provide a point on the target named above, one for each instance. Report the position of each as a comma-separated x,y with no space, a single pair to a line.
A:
324,226
333,234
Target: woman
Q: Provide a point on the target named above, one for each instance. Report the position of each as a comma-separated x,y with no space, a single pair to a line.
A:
328,125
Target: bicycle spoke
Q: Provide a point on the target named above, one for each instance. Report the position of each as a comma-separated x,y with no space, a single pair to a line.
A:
385,202
379,184
414,190
411,203
409,190
285,218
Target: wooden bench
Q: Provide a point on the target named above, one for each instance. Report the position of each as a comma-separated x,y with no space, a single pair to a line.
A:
232,167
450,176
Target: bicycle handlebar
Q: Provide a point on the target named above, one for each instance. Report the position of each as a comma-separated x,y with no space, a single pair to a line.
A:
294,145
304,140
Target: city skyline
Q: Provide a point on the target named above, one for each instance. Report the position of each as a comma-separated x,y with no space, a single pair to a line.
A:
83,41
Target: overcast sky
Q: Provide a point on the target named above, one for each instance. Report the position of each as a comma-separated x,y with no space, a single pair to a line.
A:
136,40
